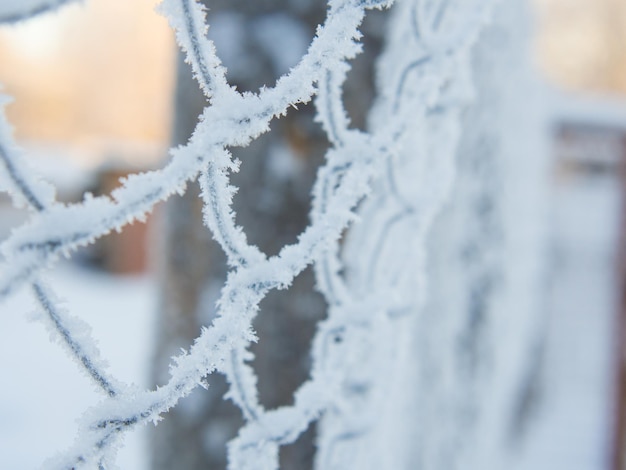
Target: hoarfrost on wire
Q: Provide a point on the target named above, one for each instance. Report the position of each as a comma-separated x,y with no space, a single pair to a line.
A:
423,84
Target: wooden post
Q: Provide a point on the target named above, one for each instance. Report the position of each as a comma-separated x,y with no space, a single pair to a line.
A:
619,433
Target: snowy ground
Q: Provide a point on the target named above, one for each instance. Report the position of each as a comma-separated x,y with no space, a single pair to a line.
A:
42,393
577,407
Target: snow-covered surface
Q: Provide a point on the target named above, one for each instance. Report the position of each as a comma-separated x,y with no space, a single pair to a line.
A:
59,167
43,392
578,407
576,411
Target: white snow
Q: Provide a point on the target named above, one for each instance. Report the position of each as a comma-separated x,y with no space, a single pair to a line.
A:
43,392
577,410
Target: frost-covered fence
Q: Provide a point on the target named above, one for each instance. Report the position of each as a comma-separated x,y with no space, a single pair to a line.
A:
477,343
360,352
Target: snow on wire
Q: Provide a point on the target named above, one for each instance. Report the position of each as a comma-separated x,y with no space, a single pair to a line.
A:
415,83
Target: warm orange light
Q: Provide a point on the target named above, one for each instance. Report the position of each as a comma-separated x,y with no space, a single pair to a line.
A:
582,43
95,74
90,75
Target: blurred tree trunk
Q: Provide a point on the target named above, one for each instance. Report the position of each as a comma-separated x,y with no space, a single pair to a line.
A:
272,205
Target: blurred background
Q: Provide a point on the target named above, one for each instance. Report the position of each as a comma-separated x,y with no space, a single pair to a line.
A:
93,100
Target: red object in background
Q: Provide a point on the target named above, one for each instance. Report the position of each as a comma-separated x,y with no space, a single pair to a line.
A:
125,252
